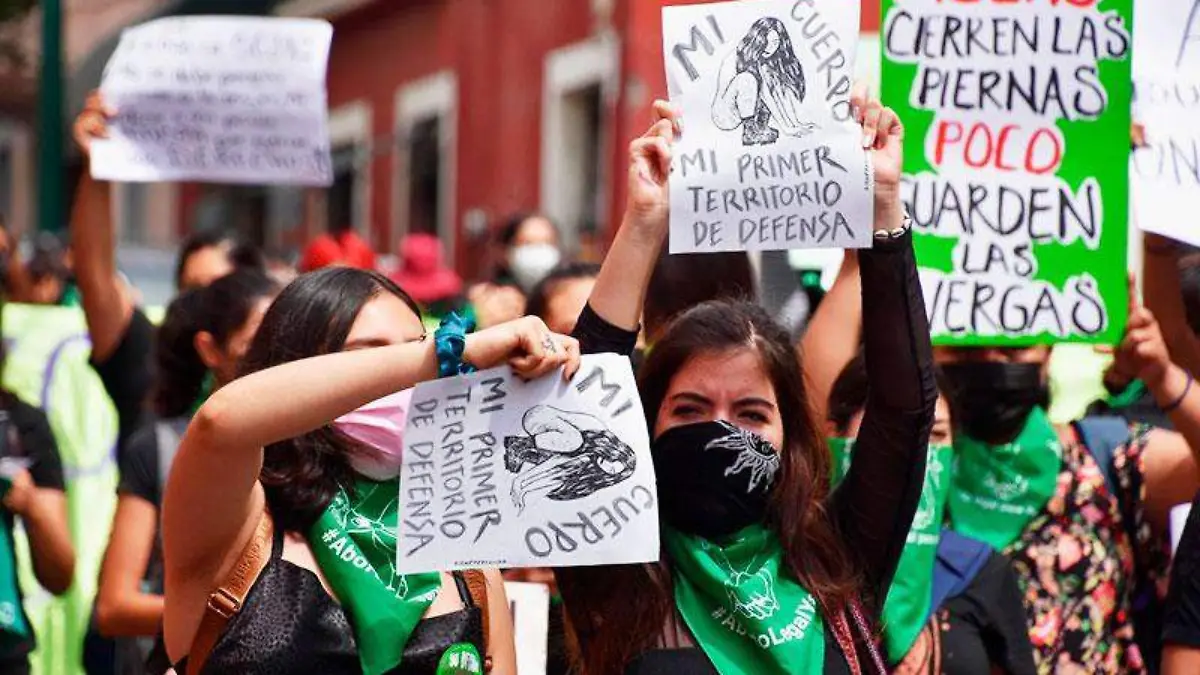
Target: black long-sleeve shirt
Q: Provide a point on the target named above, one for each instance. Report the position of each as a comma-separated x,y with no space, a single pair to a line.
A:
874,506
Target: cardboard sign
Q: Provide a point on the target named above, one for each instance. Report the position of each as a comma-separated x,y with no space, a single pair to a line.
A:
1017,142
218,99
770,156
530,606
1165,175
499,472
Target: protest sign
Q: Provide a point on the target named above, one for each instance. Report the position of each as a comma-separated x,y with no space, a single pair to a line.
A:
770,157
499,472
218,99
1016,151
1165,173
530,605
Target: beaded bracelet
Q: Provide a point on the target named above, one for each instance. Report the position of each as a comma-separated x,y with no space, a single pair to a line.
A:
450,340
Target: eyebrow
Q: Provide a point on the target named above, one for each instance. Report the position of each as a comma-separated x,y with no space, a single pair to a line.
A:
697,398
690,396
754,400
366,343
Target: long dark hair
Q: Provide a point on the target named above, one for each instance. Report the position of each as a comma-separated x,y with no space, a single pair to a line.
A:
612,628
779,71
220,310
311,317
682,281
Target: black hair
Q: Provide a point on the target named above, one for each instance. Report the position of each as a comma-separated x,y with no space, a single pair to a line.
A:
680,282
219,309
1189,283
242,254
49,258
539,298
512,226
311,317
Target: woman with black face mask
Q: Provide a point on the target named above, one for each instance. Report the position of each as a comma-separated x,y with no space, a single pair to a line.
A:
763,570
1081,510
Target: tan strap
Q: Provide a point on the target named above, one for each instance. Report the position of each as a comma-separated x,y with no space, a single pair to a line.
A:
477,586
227,600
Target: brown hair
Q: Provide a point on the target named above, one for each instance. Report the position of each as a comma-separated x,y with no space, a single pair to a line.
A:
619,619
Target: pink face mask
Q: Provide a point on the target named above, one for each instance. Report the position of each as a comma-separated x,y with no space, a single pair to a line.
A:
380,426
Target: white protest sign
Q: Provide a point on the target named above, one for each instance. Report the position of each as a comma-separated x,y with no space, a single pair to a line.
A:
218,99
770,157
1165,175
499,472
1178,518
530,606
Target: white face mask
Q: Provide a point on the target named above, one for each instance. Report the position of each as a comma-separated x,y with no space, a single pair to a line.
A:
530,263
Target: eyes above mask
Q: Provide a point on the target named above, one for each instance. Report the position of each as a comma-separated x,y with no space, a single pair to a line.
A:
714,478
379,425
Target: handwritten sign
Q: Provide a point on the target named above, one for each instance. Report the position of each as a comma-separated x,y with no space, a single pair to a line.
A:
1016,148
530,605
770,157
1165,175
218,99
499,472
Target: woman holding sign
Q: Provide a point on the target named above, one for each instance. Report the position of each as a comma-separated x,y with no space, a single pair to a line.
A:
763,570
279,528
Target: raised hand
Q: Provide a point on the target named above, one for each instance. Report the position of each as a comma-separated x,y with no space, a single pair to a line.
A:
525,344
650,155
883,134
92,122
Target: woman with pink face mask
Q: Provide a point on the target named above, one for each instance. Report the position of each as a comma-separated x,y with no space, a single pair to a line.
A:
280,514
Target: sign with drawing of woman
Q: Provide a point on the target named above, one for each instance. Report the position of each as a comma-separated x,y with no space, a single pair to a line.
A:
770,157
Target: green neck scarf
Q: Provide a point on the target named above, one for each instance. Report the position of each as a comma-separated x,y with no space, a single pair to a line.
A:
13,626
354,543
998,489
907,607
746,613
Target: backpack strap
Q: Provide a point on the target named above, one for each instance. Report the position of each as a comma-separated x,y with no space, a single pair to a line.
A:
227,600
959,561
477,585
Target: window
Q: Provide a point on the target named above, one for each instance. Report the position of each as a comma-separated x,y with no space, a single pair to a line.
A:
583,205
425,176
339,204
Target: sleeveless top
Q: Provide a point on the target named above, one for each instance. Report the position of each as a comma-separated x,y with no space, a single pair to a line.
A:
291,625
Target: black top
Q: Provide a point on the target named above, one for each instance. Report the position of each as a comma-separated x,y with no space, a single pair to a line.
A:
34,440
138,464
874,506
290,625
1181,621
984,626
126,374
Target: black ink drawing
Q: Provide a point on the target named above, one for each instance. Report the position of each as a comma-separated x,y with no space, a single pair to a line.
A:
754,456
760,87
567,455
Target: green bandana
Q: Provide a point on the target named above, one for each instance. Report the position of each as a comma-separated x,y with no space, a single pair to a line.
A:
747,615
354,543
12,617
907,606
999,489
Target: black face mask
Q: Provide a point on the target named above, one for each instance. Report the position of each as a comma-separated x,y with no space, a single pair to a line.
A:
714,478
993,400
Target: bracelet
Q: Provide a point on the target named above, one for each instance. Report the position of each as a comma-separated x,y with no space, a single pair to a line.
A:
895,233
450,341
1179,401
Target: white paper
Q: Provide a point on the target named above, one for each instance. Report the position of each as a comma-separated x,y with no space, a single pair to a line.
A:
1179,516
770,157
218,99
530,605
1165,176
499,472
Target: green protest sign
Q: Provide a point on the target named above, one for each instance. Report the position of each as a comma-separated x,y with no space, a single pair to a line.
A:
1016,159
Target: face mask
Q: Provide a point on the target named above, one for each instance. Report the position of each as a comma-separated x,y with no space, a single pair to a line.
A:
993,400
379,425
530,263
714,479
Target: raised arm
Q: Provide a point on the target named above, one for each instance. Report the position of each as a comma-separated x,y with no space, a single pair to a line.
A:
833,334
876,502
1163,290
106,302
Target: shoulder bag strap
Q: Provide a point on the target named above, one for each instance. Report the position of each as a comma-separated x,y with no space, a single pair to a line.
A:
477,585
226,601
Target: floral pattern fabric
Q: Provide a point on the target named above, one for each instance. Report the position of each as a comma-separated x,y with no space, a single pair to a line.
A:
1078,569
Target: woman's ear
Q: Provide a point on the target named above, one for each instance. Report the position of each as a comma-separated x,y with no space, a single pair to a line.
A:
207,349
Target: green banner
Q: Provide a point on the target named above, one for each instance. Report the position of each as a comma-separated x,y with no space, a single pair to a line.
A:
1016,158
47,366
